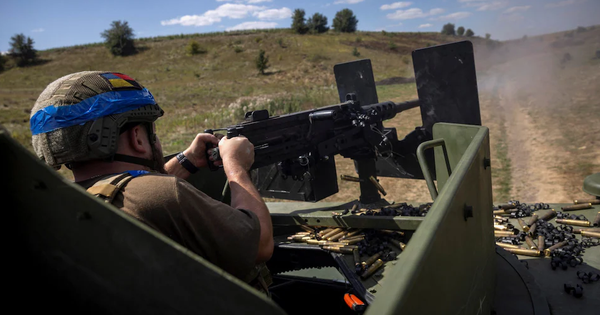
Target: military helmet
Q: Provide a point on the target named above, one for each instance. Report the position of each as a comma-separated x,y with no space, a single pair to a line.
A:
79,116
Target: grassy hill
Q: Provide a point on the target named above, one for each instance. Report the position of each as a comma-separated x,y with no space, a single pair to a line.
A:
522,80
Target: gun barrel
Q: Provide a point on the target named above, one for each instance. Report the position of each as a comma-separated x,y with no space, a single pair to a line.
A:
400,107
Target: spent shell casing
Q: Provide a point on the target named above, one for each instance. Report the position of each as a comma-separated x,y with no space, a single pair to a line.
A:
350,178
352,241
532,220
354,237
524,252
523,225
578,231
371,259
574,222
499,227
353,233
356,255
371,270
307,228
590,234
549,250
581,206
302,233
397,243
336,249
332,233
596,221
507,206
325,231
504,212
532,229
316,242
354,208
594,201
505,233
503,245
378,185
547,215
540,243
530,242
392,232
336,236
500,219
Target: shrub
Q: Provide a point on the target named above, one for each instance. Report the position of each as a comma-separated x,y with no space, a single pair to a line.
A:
581,29
119,39
262,61
392,45
257,39
238,49
358,40
460,31
469,33
21,49
281,44
488,36
298,22
355,52
448,29
193,48
317,24
345,21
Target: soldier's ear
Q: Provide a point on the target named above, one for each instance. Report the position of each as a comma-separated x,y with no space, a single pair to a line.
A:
138,139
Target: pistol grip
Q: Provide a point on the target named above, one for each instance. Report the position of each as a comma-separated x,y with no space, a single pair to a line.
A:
214,153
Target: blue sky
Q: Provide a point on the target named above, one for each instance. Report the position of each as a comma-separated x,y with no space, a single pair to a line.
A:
65,23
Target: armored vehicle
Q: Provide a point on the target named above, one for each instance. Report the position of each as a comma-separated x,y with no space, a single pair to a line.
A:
72,253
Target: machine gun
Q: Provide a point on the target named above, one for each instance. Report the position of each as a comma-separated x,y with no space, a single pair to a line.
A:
294,153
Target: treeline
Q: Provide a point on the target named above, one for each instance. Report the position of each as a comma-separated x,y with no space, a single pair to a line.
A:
449,29
345,21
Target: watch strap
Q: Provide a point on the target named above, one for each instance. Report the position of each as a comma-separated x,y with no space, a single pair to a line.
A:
189,166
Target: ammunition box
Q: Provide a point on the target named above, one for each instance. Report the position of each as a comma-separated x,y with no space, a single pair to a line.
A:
371,270
584,201
524,252
577,207
590,234
574,222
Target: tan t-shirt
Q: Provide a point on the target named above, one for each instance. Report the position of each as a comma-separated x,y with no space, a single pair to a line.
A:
225,236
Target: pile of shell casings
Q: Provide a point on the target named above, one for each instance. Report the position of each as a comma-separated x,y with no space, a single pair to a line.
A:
379,246
541,238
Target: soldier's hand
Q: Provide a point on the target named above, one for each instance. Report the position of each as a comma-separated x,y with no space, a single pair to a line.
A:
196,152
237,151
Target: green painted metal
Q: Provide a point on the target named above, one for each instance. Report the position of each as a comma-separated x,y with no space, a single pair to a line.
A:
69,251
425,168
591,184
448,266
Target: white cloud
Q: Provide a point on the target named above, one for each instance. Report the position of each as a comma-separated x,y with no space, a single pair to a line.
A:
455,16
492,6
273,14
347,1
395,5
228,10
252,26
246,1
37,30
425,25
517,9
560,4
413,13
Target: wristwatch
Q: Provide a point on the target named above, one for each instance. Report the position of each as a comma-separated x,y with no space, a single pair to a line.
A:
189,166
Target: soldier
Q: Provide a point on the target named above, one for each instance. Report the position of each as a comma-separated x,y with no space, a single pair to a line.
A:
101,126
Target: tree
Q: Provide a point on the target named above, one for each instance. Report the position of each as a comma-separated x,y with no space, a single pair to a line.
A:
2,61
448,29
119,38
469,33
299,22
193,48
262,62
345,21
460,31
21,48
317,23
488,36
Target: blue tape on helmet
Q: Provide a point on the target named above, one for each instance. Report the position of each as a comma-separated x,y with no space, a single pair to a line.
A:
109,103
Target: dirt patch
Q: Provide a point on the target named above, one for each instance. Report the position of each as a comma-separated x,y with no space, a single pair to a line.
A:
395,80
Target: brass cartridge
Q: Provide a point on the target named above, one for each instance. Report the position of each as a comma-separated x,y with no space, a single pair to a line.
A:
355,237
584,201
356,257
371,259
524,252
547,216
350,178
303,233
581,206
371,270
316,242
530,242
337,249
507,206
549,250
352,241
499,227
397,243
307,228
505,233
378,185
532,220
353,233
574,222
336,236
532,229
392,232
590,234
325,231
332,233
503,245
596,221
578,231
504,212
354,208
540,243
500,219
523,225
